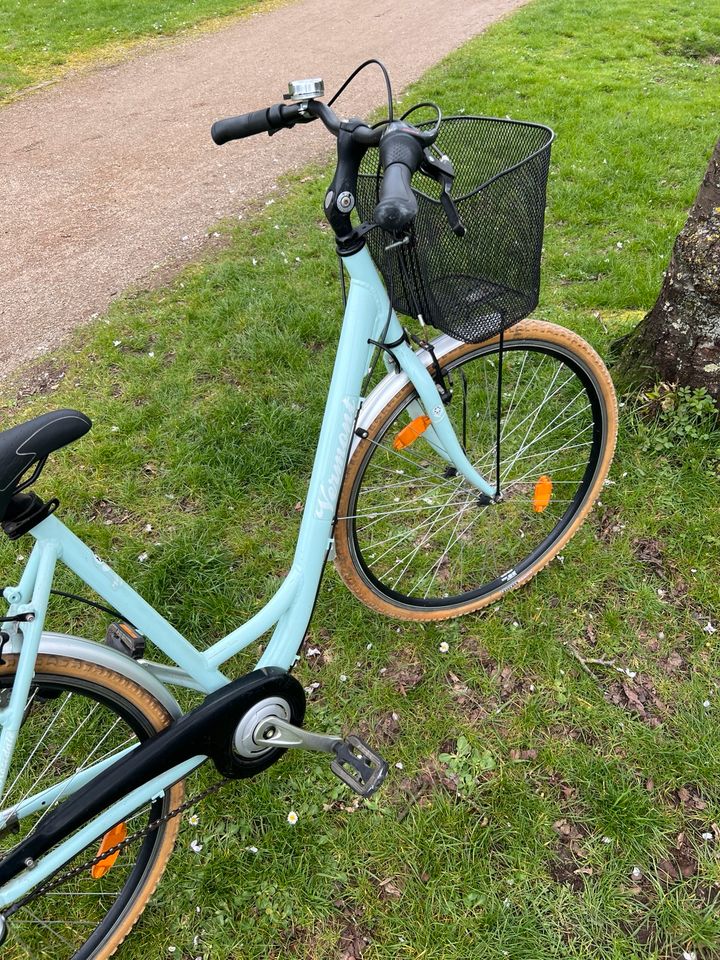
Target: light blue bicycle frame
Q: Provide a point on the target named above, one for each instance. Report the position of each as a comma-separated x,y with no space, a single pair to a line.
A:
289,610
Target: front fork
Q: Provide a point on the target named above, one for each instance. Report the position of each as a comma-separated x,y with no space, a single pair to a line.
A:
440,434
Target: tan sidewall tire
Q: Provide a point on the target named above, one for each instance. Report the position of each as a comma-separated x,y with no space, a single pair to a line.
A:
159,718
541,332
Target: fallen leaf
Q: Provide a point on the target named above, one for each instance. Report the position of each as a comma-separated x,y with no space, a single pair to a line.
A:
391,889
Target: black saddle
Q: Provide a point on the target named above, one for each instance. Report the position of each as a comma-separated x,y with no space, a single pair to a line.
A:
30,444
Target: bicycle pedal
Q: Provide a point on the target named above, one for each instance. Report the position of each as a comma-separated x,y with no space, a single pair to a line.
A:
358,766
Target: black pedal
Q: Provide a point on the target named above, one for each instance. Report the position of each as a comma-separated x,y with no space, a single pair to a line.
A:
125,639
358,766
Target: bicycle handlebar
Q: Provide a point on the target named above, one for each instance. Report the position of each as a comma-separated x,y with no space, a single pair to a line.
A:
401,149
401,153
284,116
259,121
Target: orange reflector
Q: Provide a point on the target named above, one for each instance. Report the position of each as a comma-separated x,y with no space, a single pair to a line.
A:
542,494
111,839
411,432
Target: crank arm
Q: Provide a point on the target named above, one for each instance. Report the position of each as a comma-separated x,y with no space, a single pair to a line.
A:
355,763
274,732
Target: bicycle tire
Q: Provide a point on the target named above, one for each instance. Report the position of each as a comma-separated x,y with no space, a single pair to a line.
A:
59,679
354,559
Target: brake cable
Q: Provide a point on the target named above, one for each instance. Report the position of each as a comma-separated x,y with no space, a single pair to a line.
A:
498,414
331,101
433,106
356,71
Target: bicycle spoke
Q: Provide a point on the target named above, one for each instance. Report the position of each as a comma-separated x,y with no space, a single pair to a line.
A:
430,524
37,746
432,530
86,763
72,736
44,923
375,514
545,432
443,556
547,456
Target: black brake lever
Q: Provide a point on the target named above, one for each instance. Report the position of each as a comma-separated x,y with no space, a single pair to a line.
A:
441,170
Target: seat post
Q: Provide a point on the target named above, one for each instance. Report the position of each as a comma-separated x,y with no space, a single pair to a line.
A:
25,511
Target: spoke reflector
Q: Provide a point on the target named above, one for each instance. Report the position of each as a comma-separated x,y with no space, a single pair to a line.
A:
411,432
111,839
542,494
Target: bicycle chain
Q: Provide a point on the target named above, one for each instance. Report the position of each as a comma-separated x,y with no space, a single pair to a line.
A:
57,881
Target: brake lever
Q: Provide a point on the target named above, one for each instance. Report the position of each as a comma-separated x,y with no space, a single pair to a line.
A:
441,170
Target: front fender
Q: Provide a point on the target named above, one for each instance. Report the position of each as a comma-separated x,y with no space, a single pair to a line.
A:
65,645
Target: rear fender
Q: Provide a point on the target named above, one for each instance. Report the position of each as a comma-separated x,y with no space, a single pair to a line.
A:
64,645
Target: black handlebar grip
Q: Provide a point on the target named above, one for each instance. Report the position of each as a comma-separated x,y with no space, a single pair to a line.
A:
236,128
401,154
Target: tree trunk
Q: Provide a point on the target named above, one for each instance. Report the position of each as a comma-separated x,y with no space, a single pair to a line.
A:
679,340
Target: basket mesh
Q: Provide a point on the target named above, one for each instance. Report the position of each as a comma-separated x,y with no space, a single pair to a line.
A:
470,287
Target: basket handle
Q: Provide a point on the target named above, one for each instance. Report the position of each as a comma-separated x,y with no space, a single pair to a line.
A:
441,170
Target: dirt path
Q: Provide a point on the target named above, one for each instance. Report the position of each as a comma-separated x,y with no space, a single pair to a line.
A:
112,175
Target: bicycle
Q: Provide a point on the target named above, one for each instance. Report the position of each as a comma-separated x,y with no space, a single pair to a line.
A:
94,746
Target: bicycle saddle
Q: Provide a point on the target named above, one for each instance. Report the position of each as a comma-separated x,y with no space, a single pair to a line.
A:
31,443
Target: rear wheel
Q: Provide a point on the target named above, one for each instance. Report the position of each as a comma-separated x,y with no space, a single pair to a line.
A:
417,541
79,713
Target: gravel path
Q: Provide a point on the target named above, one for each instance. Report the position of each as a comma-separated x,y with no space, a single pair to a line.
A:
109,177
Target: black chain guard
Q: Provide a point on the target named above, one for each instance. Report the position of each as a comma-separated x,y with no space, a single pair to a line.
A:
283,686
208,730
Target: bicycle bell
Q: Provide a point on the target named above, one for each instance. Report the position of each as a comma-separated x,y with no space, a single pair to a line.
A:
305,89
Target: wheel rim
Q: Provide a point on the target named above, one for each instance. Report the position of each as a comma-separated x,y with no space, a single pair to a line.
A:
70,724
411,529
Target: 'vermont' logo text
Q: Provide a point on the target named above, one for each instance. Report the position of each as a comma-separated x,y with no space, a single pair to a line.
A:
329,491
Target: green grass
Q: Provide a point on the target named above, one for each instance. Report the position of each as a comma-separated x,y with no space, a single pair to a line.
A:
41,39
207,397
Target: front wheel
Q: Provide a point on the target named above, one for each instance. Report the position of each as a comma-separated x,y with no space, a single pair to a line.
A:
415,540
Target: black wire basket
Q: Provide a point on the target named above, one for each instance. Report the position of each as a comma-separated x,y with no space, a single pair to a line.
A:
470,287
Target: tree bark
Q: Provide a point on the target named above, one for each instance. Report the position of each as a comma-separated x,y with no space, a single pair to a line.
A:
678,341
